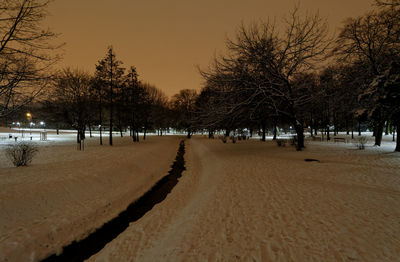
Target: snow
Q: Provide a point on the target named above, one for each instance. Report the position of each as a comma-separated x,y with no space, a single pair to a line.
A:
253,201
65,194
249,201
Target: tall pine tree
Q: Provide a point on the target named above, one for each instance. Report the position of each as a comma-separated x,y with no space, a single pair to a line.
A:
110,72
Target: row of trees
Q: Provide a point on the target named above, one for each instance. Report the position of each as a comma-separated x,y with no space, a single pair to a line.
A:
111,98
271,77
298,77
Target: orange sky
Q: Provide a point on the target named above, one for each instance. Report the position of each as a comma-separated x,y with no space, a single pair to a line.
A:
166,39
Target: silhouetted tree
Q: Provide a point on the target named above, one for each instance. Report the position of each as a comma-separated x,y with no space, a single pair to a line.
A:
71,101
262,64
384,92
372,39
109,70
132,95
183,104
26,52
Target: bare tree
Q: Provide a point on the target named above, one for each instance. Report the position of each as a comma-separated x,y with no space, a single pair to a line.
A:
132,94
71,100
152,108
26,52
372,39
387,86
183,105
98,91
264,62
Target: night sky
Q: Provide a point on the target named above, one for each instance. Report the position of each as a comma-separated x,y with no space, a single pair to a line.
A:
166,39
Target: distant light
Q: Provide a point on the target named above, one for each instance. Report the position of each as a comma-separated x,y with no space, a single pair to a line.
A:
28,114
18,123
99,126
13,123
290,127
41,123
32,124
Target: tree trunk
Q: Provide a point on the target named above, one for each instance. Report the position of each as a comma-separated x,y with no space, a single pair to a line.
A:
83,136
378,133
210,134
133,125
274,130
111,103
398,139
263,127
101,135
227,131
189,135
90,131
359,127
120,128
335,129
100,120
387,126
300,136
134,135
79,138
111,128
394,132
328,137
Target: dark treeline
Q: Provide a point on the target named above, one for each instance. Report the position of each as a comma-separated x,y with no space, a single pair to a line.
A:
293,75
113,99
270,77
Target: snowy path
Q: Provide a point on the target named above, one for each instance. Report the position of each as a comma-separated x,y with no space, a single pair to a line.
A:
65,194
253,201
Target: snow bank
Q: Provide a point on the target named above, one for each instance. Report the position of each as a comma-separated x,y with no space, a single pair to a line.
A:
253,201
65,194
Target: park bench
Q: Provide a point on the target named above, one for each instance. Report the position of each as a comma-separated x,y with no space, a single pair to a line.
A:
339,139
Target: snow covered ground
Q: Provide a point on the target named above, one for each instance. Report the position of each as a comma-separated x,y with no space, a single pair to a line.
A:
249,201
253,201
66,194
